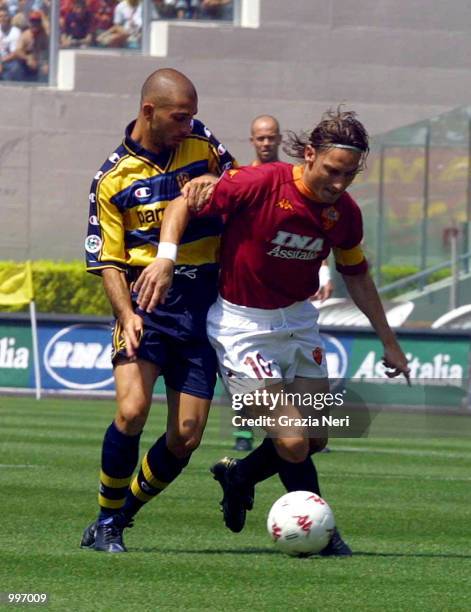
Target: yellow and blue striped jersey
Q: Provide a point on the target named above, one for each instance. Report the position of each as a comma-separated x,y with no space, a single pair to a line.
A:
127,200
128,197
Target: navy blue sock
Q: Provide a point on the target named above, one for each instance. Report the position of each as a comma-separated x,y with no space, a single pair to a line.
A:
263,462
119,457
299,476
260,464
158,469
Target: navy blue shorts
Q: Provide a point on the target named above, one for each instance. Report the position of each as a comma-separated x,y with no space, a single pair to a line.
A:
180,348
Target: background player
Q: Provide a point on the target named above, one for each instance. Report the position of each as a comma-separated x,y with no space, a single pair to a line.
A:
159,158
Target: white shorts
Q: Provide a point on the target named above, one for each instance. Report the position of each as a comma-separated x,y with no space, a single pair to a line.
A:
270,346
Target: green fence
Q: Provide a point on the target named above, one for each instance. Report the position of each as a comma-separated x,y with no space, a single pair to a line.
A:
416,191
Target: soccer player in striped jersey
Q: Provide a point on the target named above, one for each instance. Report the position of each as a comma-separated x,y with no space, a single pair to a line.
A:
165,153
281,222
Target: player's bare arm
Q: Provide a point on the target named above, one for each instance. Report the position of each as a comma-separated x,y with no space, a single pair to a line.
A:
117,292
156,279
363,292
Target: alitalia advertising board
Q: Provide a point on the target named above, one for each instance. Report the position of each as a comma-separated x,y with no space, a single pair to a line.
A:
75,356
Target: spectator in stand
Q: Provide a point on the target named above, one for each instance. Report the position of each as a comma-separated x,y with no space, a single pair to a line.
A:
20,21
77,30
216,9
102,17
30,60
127,26
174,9
24,7
9,38
183,9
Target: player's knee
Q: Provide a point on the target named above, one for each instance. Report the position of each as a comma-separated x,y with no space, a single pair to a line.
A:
182,444
131,419
317,444
294,450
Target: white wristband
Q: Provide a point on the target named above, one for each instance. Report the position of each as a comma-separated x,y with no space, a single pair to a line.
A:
324,276
167,250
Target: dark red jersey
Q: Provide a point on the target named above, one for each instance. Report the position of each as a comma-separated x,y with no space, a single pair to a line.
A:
276,235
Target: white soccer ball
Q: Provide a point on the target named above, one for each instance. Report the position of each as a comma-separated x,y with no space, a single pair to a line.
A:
300,523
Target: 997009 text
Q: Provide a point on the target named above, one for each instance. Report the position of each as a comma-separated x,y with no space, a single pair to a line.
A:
23,598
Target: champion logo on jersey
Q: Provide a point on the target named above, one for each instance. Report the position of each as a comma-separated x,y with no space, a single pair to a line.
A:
317,355
143,193
330,216
284,204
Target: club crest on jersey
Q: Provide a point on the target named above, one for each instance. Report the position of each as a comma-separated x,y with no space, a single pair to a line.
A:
232,172
93,243
182,179
329,216
143,194
284,204
317,355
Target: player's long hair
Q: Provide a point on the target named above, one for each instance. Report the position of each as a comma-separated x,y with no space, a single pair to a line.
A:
335,127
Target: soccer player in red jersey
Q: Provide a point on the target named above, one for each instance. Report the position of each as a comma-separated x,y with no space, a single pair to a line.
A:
265,136
281,221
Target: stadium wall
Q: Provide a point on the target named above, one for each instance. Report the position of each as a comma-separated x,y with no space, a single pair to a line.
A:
394,61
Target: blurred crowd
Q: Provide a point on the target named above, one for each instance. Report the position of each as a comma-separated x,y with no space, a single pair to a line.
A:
24,28
24,40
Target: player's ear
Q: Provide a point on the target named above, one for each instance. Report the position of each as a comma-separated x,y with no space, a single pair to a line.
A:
147,110
309,153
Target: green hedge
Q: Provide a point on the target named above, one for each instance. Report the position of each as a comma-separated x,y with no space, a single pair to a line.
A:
64,287
390,274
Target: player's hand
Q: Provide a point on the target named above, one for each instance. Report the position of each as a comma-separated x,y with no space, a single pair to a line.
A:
395,362
133,327
154,283
324,292
198,191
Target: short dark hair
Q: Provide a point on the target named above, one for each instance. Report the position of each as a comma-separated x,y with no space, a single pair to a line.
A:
337,127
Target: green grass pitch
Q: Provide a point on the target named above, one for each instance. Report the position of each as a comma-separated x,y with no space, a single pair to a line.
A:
403,506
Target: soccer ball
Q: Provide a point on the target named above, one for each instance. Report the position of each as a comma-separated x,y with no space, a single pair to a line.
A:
300,523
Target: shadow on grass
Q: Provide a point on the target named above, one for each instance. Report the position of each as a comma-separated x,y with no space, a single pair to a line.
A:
208,551
272,551
412,555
